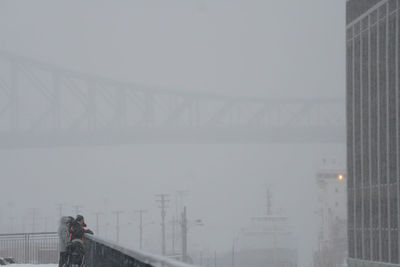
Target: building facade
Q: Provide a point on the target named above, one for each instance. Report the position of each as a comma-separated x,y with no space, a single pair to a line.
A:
332,200
373,121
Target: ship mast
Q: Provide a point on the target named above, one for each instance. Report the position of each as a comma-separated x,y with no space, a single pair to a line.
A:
269,202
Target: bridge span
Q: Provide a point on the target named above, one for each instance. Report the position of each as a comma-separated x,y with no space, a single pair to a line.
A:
45,105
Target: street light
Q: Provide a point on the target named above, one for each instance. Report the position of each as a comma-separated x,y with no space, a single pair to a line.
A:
185,227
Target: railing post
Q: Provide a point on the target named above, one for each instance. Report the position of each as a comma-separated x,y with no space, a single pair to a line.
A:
26,241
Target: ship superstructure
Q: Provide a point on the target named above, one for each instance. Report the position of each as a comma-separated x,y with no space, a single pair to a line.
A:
267,241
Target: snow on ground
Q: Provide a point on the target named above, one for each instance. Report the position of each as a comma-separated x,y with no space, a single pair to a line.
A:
34,265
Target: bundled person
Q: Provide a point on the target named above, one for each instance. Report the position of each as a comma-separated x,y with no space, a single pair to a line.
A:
76,248
63,234
78,229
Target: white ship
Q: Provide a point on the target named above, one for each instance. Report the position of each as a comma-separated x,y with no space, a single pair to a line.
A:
266,242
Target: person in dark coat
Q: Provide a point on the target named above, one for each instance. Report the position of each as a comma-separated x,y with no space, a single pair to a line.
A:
63,233
78,229
76,245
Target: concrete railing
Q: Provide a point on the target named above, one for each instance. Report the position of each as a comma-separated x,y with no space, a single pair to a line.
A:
39,248
102,253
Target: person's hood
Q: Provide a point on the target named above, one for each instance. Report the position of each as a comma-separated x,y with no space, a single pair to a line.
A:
64,220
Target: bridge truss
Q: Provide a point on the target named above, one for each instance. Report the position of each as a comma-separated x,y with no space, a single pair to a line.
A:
45,105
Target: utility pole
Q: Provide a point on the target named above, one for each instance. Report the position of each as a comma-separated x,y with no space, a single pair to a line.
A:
11,206
11,228
77,209
45,223
117,213
173,234
60,208
141,227
269,202
97,214
184,235
179,203
107,226
162,199
179,200
34,213
233,254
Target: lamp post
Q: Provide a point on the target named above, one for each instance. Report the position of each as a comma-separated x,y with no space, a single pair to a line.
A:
184,229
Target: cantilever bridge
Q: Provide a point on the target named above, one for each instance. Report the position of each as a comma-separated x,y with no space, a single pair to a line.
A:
45,105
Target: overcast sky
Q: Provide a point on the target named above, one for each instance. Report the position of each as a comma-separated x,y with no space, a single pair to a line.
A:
261,48
256,48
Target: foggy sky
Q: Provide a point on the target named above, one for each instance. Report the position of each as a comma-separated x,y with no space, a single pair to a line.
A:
235,47
260,48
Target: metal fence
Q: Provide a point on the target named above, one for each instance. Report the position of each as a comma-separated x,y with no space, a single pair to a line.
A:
37,248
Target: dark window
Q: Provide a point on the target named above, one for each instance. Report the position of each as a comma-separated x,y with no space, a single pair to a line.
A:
359,244
375,207
374,106
384,223
393,207
349,99
394,246
357,112
398,77
351,244
364,24
374,16
365,109
385,245
382,104
375,223
367,244
375,245
349,33
350,212
392,160
384,207
392,5
359,207
357,28
382,11
367,208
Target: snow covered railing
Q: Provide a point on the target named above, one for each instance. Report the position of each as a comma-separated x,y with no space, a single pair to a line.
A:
102,253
